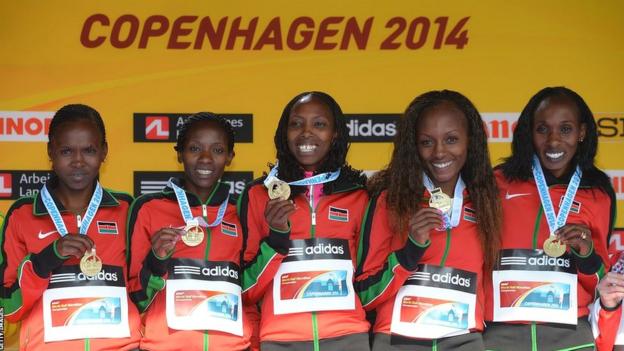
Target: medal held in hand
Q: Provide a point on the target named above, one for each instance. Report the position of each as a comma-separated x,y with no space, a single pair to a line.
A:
440,200
90,263
278,189
193,234
553,247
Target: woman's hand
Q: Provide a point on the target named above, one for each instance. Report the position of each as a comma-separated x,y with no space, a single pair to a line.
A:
578,236
422,222
611,289
73,245
277,213
164,241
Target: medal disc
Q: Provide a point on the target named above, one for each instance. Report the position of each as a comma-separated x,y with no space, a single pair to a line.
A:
90,264
554,248
440,200
278,189
193,235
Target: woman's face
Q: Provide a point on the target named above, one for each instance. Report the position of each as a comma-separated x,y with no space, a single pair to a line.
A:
310,132
77,152
556,133
204,156
442,140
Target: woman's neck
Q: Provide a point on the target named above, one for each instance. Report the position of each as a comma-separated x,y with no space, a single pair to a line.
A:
75,201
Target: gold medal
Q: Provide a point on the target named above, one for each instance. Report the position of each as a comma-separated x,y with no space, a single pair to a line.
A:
193,234
553,247
90,263
278,190
440,200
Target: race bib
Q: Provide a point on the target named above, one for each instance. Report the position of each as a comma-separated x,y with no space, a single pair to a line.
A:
435,302
204,295
78,307
532,286
317,275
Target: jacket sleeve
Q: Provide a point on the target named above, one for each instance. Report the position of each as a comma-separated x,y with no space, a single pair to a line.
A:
147,271
265,248
25,275
381,271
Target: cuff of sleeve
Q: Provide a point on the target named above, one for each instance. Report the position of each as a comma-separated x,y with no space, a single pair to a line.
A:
47,260
588,264
410,254
610,309
156,264
279,240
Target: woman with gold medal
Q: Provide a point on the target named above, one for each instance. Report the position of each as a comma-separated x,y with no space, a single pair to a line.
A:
186,249
64,270
558,210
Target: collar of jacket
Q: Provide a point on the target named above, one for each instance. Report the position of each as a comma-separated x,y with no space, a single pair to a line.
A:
216,198
564,180
108,200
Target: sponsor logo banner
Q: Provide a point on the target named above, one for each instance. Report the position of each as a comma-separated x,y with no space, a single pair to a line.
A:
164,127
616,245
372,128
15,184
25,125
499,126
610,126
146,182
617,179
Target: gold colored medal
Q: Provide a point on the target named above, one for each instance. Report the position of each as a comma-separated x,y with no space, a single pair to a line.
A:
278,190
440,200
193,234
553,247
90,263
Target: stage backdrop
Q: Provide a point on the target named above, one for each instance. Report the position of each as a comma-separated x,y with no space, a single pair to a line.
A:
145,65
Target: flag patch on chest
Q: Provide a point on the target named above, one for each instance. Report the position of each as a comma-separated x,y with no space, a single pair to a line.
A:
107,227
575,208
229,229
338,214
470,215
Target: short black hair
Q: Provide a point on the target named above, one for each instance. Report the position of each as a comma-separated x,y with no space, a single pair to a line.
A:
219,120
73,113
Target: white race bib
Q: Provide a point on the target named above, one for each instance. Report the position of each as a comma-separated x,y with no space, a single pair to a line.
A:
79,307
317,275
204,295
435,302
532,286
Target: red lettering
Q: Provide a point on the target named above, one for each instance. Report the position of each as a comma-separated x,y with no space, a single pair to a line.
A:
324,32
116,34
618,184
47,125
85,40
360,36
215,37
34,126
247,34
306,35
15,126
177,31
155,26
272,35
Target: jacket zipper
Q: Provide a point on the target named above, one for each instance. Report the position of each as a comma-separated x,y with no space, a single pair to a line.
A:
315,332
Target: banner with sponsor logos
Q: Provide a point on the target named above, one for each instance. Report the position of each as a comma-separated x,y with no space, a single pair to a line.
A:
147,65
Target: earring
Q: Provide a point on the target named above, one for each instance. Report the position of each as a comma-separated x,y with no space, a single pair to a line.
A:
580,140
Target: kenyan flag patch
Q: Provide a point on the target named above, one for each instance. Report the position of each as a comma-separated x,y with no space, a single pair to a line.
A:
338,214
575,208
107,227
229,229
470,215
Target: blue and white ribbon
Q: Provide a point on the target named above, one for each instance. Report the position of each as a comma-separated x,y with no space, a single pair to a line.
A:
559,220
185,208
317,179
458,200
57,219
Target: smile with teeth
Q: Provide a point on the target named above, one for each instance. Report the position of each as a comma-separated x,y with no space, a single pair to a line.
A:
554,155
306,148
204,171
442,165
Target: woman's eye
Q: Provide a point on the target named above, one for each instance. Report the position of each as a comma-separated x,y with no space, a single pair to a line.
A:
219,150
65,152
541,129
320,124
452,140
566,129
193,148
426,142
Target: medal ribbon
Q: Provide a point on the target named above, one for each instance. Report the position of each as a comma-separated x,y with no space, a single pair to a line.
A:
317,179
458,200
558,221
185,208
55,214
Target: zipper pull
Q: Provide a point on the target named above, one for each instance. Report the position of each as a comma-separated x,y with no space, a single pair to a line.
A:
204,210
78,221
313,218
